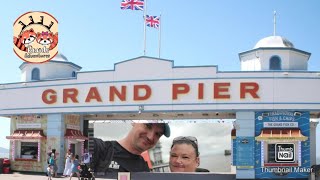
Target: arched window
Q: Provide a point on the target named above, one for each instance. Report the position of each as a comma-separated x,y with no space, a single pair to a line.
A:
73,74
275,63
35,74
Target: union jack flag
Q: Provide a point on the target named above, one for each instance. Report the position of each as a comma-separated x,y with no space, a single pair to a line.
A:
153,21
132,4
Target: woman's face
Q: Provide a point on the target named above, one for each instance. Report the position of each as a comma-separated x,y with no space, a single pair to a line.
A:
183,158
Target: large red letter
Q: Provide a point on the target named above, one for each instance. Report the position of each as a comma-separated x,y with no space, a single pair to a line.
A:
49,96
137,88
71,94
179,89
114,91
219,88
249,87
200,90
93,94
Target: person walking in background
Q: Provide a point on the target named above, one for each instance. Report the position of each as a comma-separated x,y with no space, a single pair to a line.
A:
184,154
52,155
51,163
55,167
86,158
74,166
67,165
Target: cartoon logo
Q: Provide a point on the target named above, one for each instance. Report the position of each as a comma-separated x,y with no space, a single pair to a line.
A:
284,152
35,37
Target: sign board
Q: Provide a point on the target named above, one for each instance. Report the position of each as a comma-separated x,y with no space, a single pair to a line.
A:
70,126
281,124
29,126
285,152
245,152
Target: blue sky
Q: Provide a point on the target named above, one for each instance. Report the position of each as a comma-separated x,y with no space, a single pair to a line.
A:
96,34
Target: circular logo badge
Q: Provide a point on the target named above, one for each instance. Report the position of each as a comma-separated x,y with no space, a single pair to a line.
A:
35,37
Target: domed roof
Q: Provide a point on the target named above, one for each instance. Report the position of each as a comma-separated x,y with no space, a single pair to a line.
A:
60,57
274,41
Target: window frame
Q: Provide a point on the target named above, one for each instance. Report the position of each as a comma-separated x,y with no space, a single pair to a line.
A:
73,74
35,74
275,63
19,149
268,163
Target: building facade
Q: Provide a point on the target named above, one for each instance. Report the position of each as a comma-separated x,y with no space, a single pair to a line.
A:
272,98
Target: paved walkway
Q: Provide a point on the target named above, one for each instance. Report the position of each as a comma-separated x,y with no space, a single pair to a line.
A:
20,176
161,176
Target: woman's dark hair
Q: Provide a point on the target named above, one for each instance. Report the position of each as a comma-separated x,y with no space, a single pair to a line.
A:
186,141
53,151
77,157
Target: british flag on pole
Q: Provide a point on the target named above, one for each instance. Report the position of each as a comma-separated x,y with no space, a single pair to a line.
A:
132,4
153,21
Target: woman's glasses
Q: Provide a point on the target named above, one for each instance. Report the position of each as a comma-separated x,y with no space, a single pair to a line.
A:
190,139
186,138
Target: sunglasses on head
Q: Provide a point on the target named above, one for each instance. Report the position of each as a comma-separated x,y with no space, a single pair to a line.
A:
186,138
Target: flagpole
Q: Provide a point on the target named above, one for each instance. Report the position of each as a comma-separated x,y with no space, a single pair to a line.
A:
159,34
274,22
144,27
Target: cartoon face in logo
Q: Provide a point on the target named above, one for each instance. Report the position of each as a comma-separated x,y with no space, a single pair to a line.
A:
46,38
25,39
35,37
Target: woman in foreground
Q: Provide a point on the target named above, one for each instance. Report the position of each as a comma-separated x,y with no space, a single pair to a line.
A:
184,154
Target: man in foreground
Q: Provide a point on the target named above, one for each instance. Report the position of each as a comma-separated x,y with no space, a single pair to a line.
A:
125,155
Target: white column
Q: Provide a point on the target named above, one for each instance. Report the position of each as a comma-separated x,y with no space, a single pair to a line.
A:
13,149
69,144
299,153
262,153
39,150
82,148
232,152
55,137
313,142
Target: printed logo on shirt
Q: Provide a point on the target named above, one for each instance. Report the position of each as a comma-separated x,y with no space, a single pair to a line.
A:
114,165
35,37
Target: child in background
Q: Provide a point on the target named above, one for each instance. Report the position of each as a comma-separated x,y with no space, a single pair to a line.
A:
49,171
50,166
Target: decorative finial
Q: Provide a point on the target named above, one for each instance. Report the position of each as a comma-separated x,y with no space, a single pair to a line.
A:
274,22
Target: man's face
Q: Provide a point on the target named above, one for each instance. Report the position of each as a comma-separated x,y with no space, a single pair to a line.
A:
146,135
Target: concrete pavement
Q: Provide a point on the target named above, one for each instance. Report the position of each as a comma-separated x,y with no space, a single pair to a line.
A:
135,176
23,176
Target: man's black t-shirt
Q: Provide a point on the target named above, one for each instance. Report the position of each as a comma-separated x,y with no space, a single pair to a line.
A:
110,156
124,161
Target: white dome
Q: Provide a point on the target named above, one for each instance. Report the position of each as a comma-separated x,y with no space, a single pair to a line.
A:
274,41
60,57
